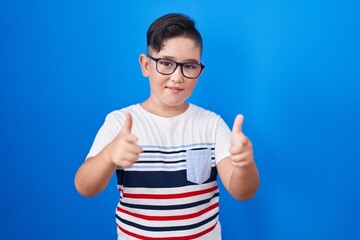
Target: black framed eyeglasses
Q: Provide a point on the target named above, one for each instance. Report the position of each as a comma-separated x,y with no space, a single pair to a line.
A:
167,66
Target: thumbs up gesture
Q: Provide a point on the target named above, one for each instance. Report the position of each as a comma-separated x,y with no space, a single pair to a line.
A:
124,151
241,149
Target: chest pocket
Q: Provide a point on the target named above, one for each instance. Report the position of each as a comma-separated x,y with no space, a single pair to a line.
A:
198,165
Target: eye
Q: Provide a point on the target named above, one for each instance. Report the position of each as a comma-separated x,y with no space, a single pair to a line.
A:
191,66
166,63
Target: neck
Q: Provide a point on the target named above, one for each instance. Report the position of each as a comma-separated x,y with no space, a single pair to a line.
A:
162,110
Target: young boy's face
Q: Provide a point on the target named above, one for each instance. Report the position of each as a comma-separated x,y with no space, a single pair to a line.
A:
171,90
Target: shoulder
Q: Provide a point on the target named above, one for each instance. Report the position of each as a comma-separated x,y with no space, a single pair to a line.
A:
120,113
206,117
118,116
202,113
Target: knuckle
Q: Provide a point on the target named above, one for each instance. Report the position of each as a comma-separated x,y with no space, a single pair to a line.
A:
127,164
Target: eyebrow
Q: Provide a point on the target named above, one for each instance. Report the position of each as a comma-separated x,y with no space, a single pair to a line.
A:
186,61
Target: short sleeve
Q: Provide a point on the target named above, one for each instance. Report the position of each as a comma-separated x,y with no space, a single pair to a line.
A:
222,140
111,127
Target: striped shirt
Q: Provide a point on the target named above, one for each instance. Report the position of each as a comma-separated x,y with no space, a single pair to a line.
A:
171,192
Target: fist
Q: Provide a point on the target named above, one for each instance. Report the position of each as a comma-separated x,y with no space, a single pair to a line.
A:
241,147
124,150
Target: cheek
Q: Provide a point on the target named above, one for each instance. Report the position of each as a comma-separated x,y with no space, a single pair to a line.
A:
192,85
156,82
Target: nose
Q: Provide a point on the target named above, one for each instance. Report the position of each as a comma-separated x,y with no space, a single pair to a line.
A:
177,76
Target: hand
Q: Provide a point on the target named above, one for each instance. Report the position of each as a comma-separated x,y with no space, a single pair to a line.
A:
124,151
241,147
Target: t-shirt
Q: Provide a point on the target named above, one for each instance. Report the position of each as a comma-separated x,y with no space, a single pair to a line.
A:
171,192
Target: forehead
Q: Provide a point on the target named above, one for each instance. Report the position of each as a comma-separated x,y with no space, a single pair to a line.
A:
181,49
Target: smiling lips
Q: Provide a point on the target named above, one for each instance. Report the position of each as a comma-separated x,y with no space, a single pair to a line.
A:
174,89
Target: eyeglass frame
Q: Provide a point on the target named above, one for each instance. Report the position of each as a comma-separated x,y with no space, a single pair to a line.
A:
156,60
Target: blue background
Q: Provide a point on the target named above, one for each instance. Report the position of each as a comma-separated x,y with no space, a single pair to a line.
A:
291,67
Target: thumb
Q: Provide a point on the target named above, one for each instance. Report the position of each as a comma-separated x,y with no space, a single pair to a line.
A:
237,128
128,123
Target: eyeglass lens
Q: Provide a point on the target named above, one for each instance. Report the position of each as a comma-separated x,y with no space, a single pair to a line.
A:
166,66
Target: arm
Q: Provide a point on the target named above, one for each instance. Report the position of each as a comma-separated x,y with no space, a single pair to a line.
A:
95,173
241,182
238,172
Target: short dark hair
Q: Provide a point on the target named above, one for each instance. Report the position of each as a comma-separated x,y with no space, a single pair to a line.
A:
170,26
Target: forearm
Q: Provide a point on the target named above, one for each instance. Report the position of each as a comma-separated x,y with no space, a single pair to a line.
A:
244,182
94,174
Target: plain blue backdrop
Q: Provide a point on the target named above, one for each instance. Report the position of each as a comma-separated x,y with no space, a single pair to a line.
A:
291,67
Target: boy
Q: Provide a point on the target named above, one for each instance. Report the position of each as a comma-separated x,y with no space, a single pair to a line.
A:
167,152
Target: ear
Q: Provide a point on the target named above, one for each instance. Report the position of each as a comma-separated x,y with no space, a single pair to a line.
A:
144,64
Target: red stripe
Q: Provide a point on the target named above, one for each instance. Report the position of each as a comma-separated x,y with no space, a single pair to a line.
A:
168,238
169,218
169,196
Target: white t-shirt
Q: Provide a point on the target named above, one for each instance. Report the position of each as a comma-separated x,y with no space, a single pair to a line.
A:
171,191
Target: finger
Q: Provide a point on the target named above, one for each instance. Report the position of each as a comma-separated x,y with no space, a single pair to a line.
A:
235,150
241,157
239,148
133,148
240,140
126,163
128,123
130,138
237,127
127,160
131,157
241,164
245,141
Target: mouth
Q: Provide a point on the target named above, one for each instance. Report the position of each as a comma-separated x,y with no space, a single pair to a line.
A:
174,89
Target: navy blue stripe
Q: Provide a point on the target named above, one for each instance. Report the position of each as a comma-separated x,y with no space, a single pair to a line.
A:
160,161
172,207
164,161
167,229
157,179
172,152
